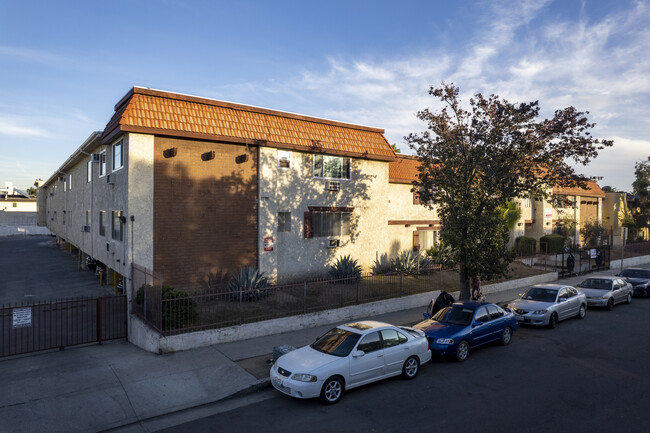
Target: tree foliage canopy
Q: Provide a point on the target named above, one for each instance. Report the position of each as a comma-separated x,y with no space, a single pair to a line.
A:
473,161
641,188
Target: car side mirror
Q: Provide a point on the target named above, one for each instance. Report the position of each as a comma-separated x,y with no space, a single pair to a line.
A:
358,353
477,323
562,300
426,315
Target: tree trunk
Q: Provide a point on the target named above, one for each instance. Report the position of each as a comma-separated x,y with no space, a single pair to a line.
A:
464,284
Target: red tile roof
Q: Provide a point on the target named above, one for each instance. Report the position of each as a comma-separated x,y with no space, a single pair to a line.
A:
404,169
592,190
163,113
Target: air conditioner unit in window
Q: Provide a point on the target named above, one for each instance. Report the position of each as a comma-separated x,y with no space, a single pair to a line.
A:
96,157
333,243
85,228
61,178
333,186
110,180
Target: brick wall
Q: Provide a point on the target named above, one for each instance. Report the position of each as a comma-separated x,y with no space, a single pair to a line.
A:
205,210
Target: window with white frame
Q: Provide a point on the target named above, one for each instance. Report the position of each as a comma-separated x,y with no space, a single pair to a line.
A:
117,226
332,167
118,157
70,182
527,202
284,222
284,158
89,174
102,163
326,224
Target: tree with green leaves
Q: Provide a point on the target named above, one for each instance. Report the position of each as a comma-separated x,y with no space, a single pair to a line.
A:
475,160
641,188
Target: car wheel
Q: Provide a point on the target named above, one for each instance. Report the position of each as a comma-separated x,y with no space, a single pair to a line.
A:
462,352
629,298
582,312
610,304
506,336
411,367
332,390
552,321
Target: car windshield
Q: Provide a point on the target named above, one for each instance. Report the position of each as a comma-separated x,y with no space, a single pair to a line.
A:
337,342
540,294
597,283
635,273
455,315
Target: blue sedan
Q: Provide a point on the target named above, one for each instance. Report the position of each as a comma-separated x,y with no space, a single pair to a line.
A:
462,326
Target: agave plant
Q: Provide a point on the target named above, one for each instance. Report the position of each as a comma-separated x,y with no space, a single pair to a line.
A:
410,262
248,285
345,267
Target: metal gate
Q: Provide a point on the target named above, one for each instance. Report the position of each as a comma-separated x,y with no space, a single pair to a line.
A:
61,323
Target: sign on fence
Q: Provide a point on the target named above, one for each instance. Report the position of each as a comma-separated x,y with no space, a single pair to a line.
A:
22,317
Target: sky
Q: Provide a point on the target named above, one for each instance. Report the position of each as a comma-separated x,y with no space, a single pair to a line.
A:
64,65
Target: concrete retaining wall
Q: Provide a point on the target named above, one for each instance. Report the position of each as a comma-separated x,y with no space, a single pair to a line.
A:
142,336
629,262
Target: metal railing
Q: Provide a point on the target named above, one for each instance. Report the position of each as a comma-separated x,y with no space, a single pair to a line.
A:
175,312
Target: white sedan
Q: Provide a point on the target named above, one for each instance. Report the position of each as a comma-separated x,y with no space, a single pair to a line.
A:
348,356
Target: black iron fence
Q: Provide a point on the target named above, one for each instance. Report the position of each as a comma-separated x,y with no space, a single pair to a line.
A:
32,327
573,262
173,312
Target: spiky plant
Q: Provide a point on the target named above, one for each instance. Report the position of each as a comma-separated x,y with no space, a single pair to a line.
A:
248,285
345,267
410,262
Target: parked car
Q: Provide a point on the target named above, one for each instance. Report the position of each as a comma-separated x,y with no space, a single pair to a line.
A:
349,356
639,278
605,291
546,304
462,326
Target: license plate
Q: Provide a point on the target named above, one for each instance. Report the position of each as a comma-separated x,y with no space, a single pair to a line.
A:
277,380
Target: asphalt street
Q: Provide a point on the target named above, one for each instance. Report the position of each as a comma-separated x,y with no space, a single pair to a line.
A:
586,375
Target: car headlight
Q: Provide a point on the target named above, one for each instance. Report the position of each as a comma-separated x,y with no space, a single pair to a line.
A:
603,297
444,341
304,377
539,312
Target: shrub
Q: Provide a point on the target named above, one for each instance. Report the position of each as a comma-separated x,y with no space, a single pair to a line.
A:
178,309
525,246
440,255
345,267
410,262
249,285
551,244
592,232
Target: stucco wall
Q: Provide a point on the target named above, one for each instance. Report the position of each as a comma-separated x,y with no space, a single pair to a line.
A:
296,189
140,199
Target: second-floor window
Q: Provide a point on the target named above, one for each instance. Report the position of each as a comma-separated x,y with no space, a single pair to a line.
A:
116,225
284,159
89,174
70,182
102,223
333,167
118,158
102,163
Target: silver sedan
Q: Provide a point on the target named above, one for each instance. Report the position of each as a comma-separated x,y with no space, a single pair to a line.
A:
606,291
546,304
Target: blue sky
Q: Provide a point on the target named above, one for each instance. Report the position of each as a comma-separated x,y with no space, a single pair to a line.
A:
64,65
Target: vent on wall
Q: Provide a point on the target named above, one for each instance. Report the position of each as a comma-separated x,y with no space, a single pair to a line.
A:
333,243
85,228
333,186
96,157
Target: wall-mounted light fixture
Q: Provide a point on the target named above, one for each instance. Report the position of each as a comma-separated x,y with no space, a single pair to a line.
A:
171,152
207,156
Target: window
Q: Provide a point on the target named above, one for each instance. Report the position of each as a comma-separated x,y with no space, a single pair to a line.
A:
15,205
87,218
284,222
102,223
495,311
370,342
70,182
117,225
390,337
331,224
527,202
482,315
284,159
336,167
63,218
90,170
102,163
118,159
54,218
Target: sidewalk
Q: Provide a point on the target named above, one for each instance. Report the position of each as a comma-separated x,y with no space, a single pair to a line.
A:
117,385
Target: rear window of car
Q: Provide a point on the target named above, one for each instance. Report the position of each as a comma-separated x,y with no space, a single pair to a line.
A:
635,273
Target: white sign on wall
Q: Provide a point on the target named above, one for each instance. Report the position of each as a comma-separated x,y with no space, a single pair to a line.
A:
22,317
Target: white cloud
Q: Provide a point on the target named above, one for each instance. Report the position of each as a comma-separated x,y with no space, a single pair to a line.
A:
16,127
